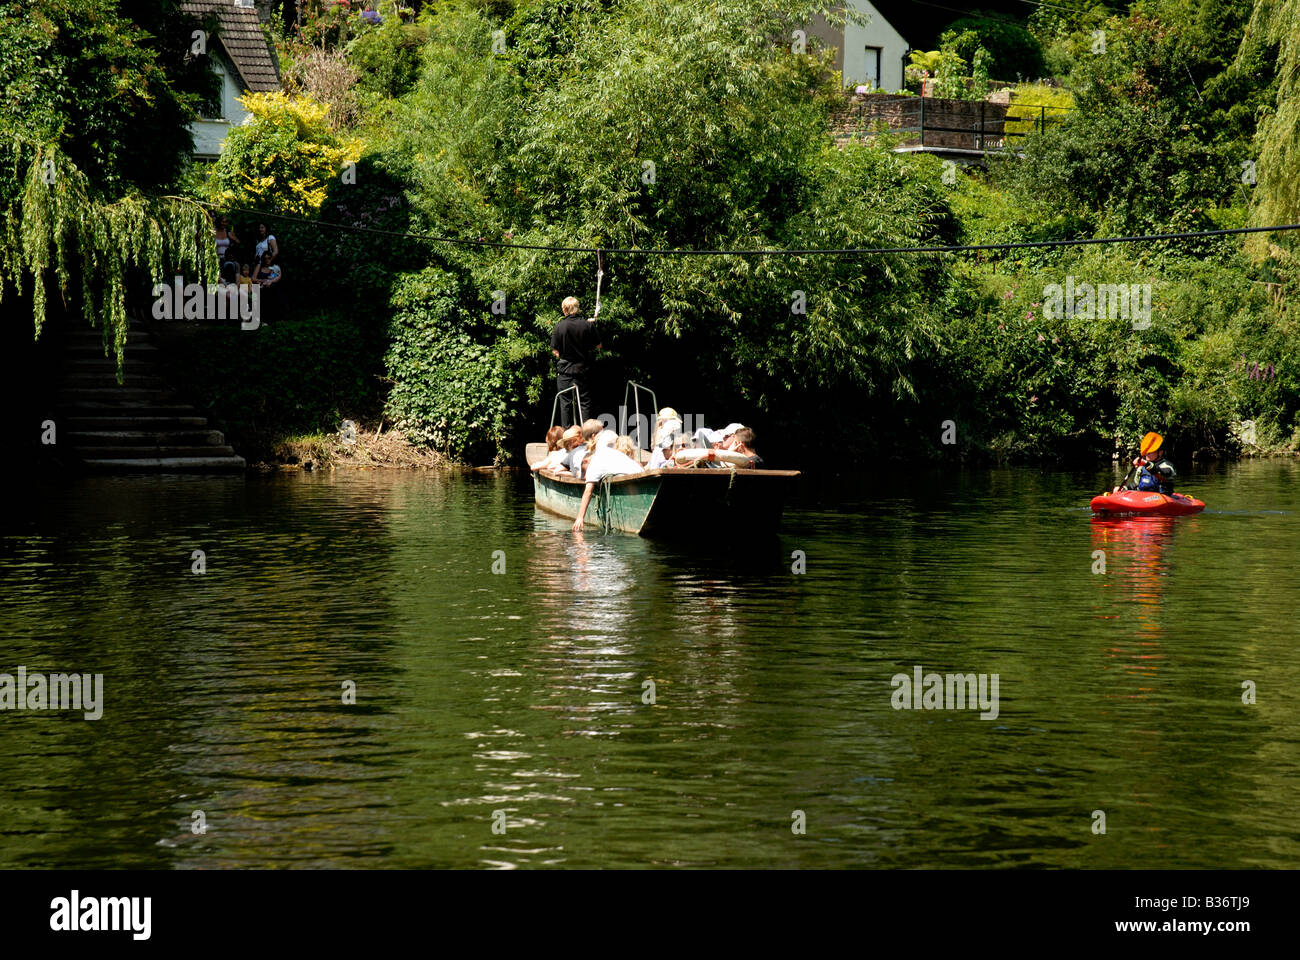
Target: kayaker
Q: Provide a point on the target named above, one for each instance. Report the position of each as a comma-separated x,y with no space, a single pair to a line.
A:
1154,473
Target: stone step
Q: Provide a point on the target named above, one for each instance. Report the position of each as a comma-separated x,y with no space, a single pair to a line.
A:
127,408
167,464
88,349
108,378
140,425
149,424
152,450
96,364
82,334
117,438
80,394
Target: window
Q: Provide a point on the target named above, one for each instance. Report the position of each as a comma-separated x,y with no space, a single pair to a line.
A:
872,67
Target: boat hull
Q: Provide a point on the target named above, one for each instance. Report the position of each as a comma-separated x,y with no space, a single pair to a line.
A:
676,502
1139,503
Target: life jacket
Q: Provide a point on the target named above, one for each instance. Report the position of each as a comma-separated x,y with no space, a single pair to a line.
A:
1147,481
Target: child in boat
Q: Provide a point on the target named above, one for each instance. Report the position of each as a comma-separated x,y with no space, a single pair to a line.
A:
603,461
582,449
625,446
663,451
555,449
742,442
1155,473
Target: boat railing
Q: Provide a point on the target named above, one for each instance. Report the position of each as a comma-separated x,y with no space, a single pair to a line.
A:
577,400
642,423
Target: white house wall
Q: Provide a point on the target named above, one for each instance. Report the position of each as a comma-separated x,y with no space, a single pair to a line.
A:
878,32
850,46
210,132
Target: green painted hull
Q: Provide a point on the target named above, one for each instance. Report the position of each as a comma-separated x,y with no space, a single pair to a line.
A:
696,502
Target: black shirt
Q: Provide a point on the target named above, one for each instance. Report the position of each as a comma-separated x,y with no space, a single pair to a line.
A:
576,338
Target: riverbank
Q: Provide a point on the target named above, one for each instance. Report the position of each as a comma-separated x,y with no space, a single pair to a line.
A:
369,447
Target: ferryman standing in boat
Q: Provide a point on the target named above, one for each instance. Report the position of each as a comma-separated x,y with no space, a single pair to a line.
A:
574,342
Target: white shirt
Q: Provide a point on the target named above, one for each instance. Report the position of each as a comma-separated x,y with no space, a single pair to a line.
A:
658,459
608,462
263,246
573,463
554,460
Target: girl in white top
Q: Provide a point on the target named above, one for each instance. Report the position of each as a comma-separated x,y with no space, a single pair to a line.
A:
266,244
605,462
224,237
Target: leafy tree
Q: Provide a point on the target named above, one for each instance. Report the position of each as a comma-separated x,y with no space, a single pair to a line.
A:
94,110
1013,51
1271,34
1139,154
659,125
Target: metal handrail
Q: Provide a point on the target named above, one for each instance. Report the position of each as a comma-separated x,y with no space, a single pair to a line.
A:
636,389
577,399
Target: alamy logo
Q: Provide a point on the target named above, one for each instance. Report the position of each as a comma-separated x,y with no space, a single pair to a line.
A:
953,691
222,301
74,913
1105,301
58,691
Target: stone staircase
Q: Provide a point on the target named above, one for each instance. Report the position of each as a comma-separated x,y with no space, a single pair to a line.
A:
139,425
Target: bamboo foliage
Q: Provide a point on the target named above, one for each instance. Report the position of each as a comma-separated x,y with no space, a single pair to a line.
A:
58,229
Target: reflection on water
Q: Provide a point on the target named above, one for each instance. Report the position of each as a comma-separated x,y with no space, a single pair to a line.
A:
520,697
1136,553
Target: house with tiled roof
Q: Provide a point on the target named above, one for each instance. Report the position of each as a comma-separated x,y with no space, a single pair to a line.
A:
241,56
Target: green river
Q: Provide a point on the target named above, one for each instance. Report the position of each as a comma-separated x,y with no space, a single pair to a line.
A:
611,701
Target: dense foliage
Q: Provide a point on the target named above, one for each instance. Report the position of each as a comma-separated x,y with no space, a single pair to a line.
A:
662,125
96,98
1014,52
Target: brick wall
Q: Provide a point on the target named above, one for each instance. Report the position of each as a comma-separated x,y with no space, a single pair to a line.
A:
861,112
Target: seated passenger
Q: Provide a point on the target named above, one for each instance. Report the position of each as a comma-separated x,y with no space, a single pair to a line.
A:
662,454
667,421
727,437
742,442
582,449
625,446
603,461
555,453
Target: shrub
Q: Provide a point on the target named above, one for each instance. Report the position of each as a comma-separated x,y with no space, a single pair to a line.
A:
450,384
284,158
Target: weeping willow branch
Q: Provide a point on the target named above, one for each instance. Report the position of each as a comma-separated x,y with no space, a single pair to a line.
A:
1277,194
54,227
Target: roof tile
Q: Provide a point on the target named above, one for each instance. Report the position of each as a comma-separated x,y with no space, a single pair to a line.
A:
240,33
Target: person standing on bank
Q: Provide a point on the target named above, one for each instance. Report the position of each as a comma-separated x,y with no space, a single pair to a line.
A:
574,341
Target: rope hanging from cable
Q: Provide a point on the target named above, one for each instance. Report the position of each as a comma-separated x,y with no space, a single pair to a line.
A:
600,276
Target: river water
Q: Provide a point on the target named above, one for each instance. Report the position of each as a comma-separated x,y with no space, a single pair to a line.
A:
504,719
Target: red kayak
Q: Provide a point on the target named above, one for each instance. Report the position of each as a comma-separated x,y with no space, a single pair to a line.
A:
1142,503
